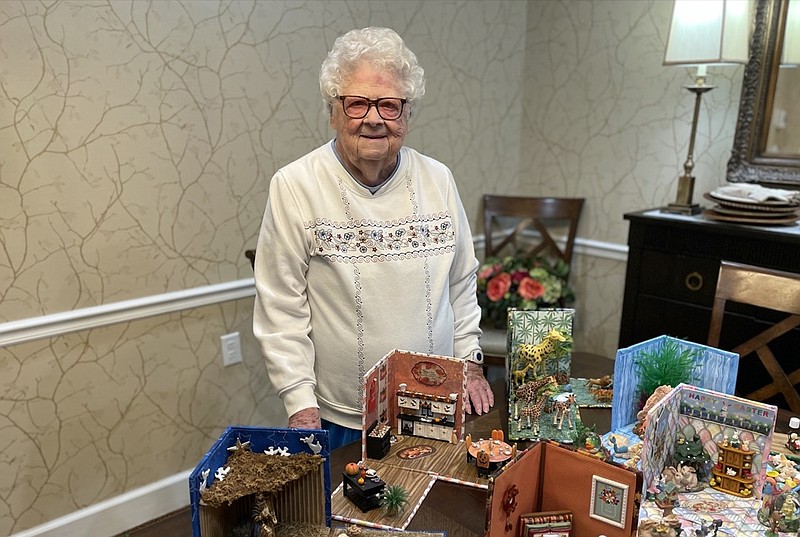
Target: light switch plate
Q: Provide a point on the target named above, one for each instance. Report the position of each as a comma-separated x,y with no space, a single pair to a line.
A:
231,349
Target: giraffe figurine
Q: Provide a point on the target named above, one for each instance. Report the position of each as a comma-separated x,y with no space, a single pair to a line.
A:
533,412
520,374
530,390
536,355
564,403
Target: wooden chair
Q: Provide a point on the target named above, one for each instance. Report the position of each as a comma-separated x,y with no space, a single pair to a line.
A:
770,290
251,255
544,226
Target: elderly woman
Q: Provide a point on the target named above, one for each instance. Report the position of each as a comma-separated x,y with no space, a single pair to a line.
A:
364,247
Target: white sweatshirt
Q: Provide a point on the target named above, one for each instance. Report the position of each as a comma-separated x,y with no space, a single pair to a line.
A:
344,276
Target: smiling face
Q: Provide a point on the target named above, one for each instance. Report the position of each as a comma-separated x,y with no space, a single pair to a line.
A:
369,146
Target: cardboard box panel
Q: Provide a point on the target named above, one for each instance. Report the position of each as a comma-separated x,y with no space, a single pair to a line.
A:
305,500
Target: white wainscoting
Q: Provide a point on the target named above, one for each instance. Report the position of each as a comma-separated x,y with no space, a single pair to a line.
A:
120,513
56,324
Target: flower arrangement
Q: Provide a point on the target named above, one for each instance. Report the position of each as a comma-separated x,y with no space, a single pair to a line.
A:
527,283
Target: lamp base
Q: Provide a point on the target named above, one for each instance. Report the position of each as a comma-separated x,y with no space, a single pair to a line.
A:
682,208
683,201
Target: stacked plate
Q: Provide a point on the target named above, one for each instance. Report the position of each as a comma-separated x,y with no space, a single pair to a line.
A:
746,210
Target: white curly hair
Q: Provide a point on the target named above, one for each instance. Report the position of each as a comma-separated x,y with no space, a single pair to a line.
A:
381,48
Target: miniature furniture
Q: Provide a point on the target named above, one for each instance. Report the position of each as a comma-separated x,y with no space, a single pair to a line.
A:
379,438
768,289
733,471
367,494
425,415
496,453
673,265
541,227
546,524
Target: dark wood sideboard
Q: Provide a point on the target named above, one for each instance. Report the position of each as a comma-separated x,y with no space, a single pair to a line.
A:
673,264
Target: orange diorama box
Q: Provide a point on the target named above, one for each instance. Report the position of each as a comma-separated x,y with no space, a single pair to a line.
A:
414,394
603,498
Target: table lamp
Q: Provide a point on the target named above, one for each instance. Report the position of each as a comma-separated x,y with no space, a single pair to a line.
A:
702,33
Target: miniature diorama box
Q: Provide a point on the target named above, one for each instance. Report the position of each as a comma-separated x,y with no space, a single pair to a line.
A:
413,436
254,478
543,398
715,370
704,461
539,354
564,492
414,394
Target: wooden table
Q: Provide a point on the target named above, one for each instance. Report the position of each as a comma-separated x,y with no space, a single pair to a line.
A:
461,510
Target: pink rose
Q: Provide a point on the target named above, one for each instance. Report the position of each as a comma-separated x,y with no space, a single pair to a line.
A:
530,289
485,273
497,287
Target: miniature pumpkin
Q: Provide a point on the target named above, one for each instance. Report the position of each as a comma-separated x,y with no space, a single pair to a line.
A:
360,480
351,468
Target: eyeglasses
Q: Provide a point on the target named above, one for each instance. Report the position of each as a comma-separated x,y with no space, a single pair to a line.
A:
357,107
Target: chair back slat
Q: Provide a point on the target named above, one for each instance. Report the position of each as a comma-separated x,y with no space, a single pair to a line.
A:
767,289
535,226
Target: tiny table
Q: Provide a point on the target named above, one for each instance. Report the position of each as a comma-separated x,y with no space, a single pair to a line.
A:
367,495
498,450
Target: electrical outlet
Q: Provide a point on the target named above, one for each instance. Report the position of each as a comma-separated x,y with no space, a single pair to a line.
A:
231,348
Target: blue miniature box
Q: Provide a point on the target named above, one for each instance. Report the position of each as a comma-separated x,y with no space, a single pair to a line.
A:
313,504
717,370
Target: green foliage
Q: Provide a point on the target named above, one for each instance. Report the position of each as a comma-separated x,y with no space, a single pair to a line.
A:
394,499
669,365
581,432
691,453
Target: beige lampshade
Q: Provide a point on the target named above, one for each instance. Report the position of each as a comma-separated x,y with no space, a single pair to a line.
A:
790,54
709,32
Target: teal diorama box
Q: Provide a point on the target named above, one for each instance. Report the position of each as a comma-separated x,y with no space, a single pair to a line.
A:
716,370
305,499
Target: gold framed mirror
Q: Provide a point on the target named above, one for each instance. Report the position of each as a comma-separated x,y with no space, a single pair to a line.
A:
766,147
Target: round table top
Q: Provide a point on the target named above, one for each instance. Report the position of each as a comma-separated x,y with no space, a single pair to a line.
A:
499,451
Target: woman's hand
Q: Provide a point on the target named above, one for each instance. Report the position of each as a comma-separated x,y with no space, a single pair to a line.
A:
308,418
479,394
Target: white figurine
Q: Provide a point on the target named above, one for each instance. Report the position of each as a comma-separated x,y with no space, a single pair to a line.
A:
221,472
312,443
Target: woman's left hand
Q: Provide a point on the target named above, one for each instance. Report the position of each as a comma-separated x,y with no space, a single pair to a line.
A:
479,394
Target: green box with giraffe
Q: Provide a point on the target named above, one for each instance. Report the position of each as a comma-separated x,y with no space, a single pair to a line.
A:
541,402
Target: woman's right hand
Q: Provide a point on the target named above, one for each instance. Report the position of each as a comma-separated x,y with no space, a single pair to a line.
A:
308,418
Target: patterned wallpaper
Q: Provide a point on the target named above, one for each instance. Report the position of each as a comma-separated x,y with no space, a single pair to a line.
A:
137,140
604,120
